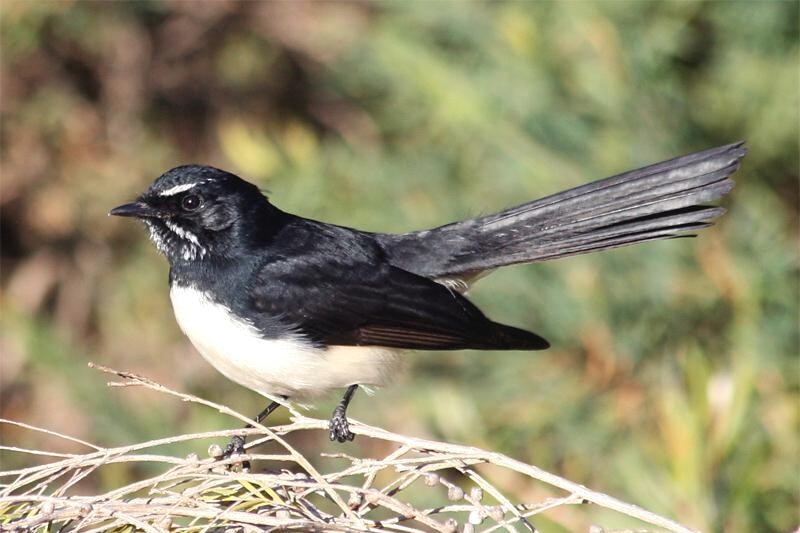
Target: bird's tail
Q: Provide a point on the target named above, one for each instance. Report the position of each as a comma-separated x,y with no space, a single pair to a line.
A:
659,201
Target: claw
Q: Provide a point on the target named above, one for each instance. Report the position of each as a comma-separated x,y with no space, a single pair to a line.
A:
235,447
340,428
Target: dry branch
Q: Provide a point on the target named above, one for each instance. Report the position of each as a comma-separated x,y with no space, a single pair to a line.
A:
370,494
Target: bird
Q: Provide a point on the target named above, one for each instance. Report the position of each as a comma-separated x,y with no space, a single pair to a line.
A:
294,308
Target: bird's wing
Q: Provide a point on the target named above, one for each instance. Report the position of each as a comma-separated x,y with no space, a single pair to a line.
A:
360,304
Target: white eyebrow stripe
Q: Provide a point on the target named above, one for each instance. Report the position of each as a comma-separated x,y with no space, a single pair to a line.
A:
177,189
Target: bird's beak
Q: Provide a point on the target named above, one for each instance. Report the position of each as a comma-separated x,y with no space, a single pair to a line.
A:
135,209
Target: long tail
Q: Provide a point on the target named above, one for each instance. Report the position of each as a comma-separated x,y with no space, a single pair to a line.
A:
656,202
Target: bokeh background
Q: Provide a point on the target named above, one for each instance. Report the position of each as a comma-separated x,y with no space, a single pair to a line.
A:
673,377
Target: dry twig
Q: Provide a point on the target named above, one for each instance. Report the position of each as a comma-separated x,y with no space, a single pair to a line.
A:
370,494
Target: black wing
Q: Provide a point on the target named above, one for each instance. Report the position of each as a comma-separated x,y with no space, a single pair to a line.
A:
357,299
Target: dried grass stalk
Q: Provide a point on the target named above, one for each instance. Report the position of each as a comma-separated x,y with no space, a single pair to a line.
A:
367,494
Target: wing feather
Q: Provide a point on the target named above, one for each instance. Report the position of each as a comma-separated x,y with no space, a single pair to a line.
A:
377,304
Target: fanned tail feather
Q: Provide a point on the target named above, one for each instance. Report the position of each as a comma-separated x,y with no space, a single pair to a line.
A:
659,201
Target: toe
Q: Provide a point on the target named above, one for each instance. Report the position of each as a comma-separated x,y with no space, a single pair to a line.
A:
234,447
340,430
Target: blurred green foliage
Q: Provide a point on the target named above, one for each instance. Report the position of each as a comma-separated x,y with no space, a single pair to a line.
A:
673,381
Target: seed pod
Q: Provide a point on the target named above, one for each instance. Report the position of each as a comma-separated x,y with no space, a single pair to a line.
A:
215,451
354,500
476,494
496,512
431,480
475,517
454,493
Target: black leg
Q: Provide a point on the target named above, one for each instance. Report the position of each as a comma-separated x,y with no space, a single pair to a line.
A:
266,412
236,445
339,427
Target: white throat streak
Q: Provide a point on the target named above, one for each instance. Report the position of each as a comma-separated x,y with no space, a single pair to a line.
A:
190,245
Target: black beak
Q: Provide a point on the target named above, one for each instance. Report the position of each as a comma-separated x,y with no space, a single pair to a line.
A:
135,209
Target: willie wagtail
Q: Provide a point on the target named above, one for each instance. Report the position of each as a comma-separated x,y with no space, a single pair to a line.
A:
293,308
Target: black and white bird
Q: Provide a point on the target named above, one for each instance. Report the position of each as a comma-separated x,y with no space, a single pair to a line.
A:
293,308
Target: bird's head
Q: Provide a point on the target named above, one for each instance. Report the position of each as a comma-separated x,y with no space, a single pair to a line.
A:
197,212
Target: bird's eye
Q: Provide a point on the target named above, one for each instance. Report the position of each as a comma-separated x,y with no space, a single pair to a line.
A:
190,202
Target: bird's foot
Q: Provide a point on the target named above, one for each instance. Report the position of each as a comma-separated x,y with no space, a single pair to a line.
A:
340,427
235,447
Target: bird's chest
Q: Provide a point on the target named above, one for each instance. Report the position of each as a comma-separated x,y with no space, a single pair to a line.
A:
285,364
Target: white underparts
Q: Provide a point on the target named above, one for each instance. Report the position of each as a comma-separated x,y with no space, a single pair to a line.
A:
289,365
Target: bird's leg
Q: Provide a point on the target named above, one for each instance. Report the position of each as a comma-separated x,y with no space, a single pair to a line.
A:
236,445
339,427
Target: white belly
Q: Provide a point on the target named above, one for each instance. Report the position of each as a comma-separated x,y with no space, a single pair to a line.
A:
289,366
